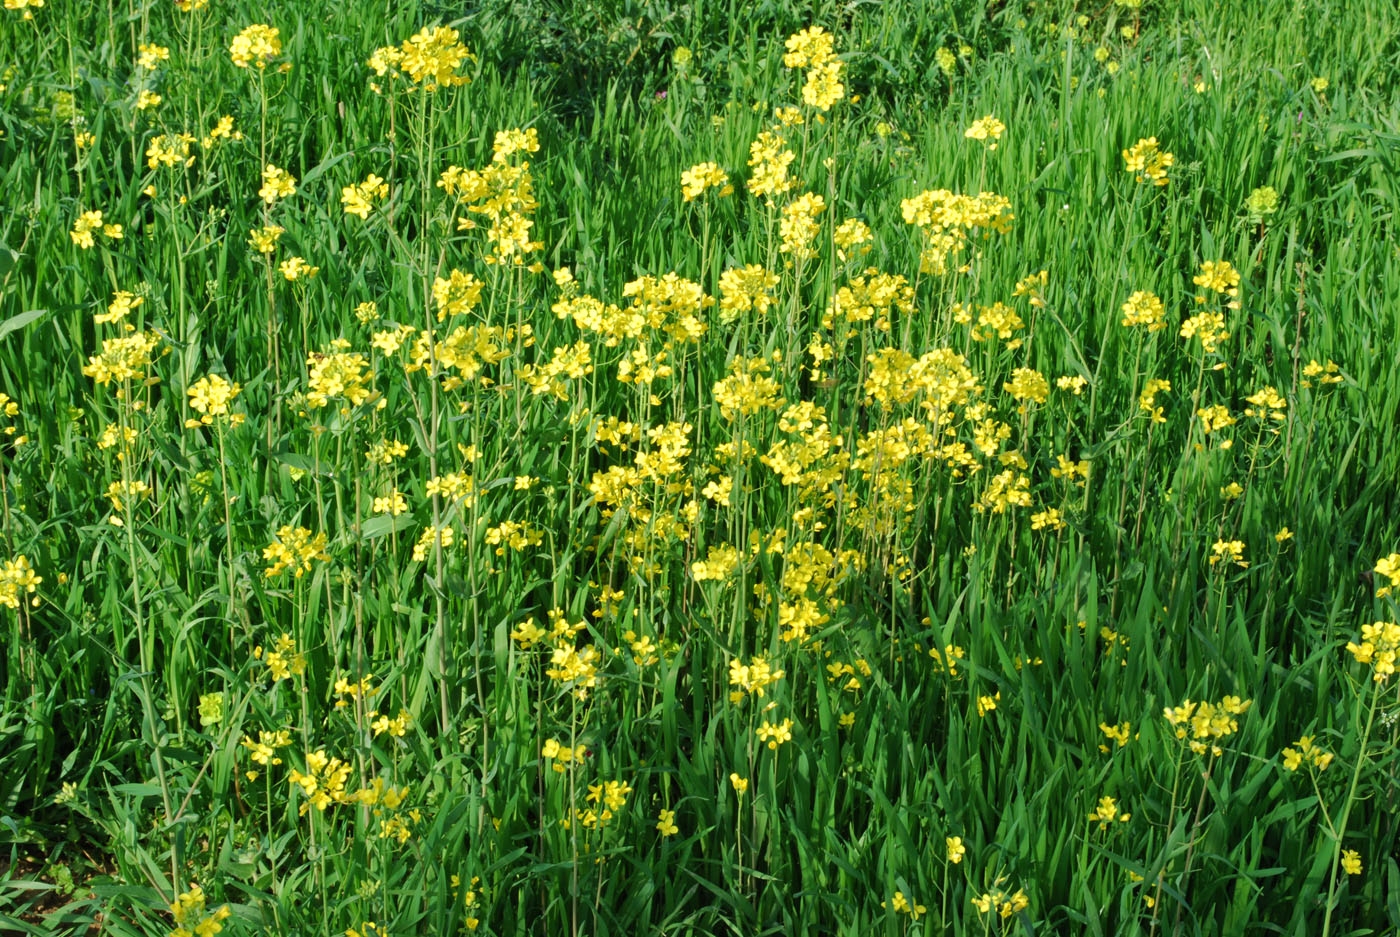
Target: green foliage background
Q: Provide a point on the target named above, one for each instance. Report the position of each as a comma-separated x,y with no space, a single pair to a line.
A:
839,819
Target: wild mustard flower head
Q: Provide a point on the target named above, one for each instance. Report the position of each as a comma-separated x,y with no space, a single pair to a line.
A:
508,143
359,198
210,397
83,228
1149,161
122,304
255,45
986,129
1145,309
809,48
1202,725
1228,551
701,177
1218,276
1306,750
1378,649
264,240
429,58
1005,905
294,548
769,159
170,150
1387,569
1209,327
902,905
775,734
276,184
824,86
124,358
17,579
150,55
26,6
191,918
1107,813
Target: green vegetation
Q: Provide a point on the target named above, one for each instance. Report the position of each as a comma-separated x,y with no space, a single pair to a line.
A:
615,468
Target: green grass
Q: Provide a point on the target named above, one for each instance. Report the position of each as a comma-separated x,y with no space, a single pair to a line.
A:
116,793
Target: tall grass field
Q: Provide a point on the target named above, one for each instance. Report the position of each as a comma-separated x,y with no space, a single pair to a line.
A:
641,467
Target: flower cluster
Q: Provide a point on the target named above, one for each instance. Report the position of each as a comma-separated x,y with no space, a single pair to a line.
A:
1149,161
255,45
1202,725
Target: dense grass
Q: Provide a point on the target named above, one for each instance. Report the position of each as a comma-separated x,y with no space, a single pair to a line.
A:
142,665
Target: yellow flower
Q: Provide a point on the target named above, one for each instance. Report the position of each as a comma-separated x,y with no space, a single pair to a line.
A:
956,849
210,397
16,579
1229,551
294,548
294,268
277,184
392,503
121,305
1144,308
1351,862
255,45
702,176
88,222
984,129
666,825
1149,161
775,734
429,58
1379,648
739,784
264,240
1389,568
1107,812
809,48
358,199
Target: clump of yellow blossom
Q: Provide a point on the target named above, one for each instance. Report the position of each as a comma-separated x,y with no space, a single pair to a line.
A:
276,184
429,58
1002,903
1146,309
16,580
1307,750
986,129
190,917
1378,648
359,198
1388,568
294,548
901,905
1228,551
87,223
702,176
1202,725
210,397
255,45
1149,161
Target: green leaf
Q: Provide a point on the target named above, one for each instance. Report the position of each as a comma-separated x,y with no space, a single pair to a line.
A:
14,323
